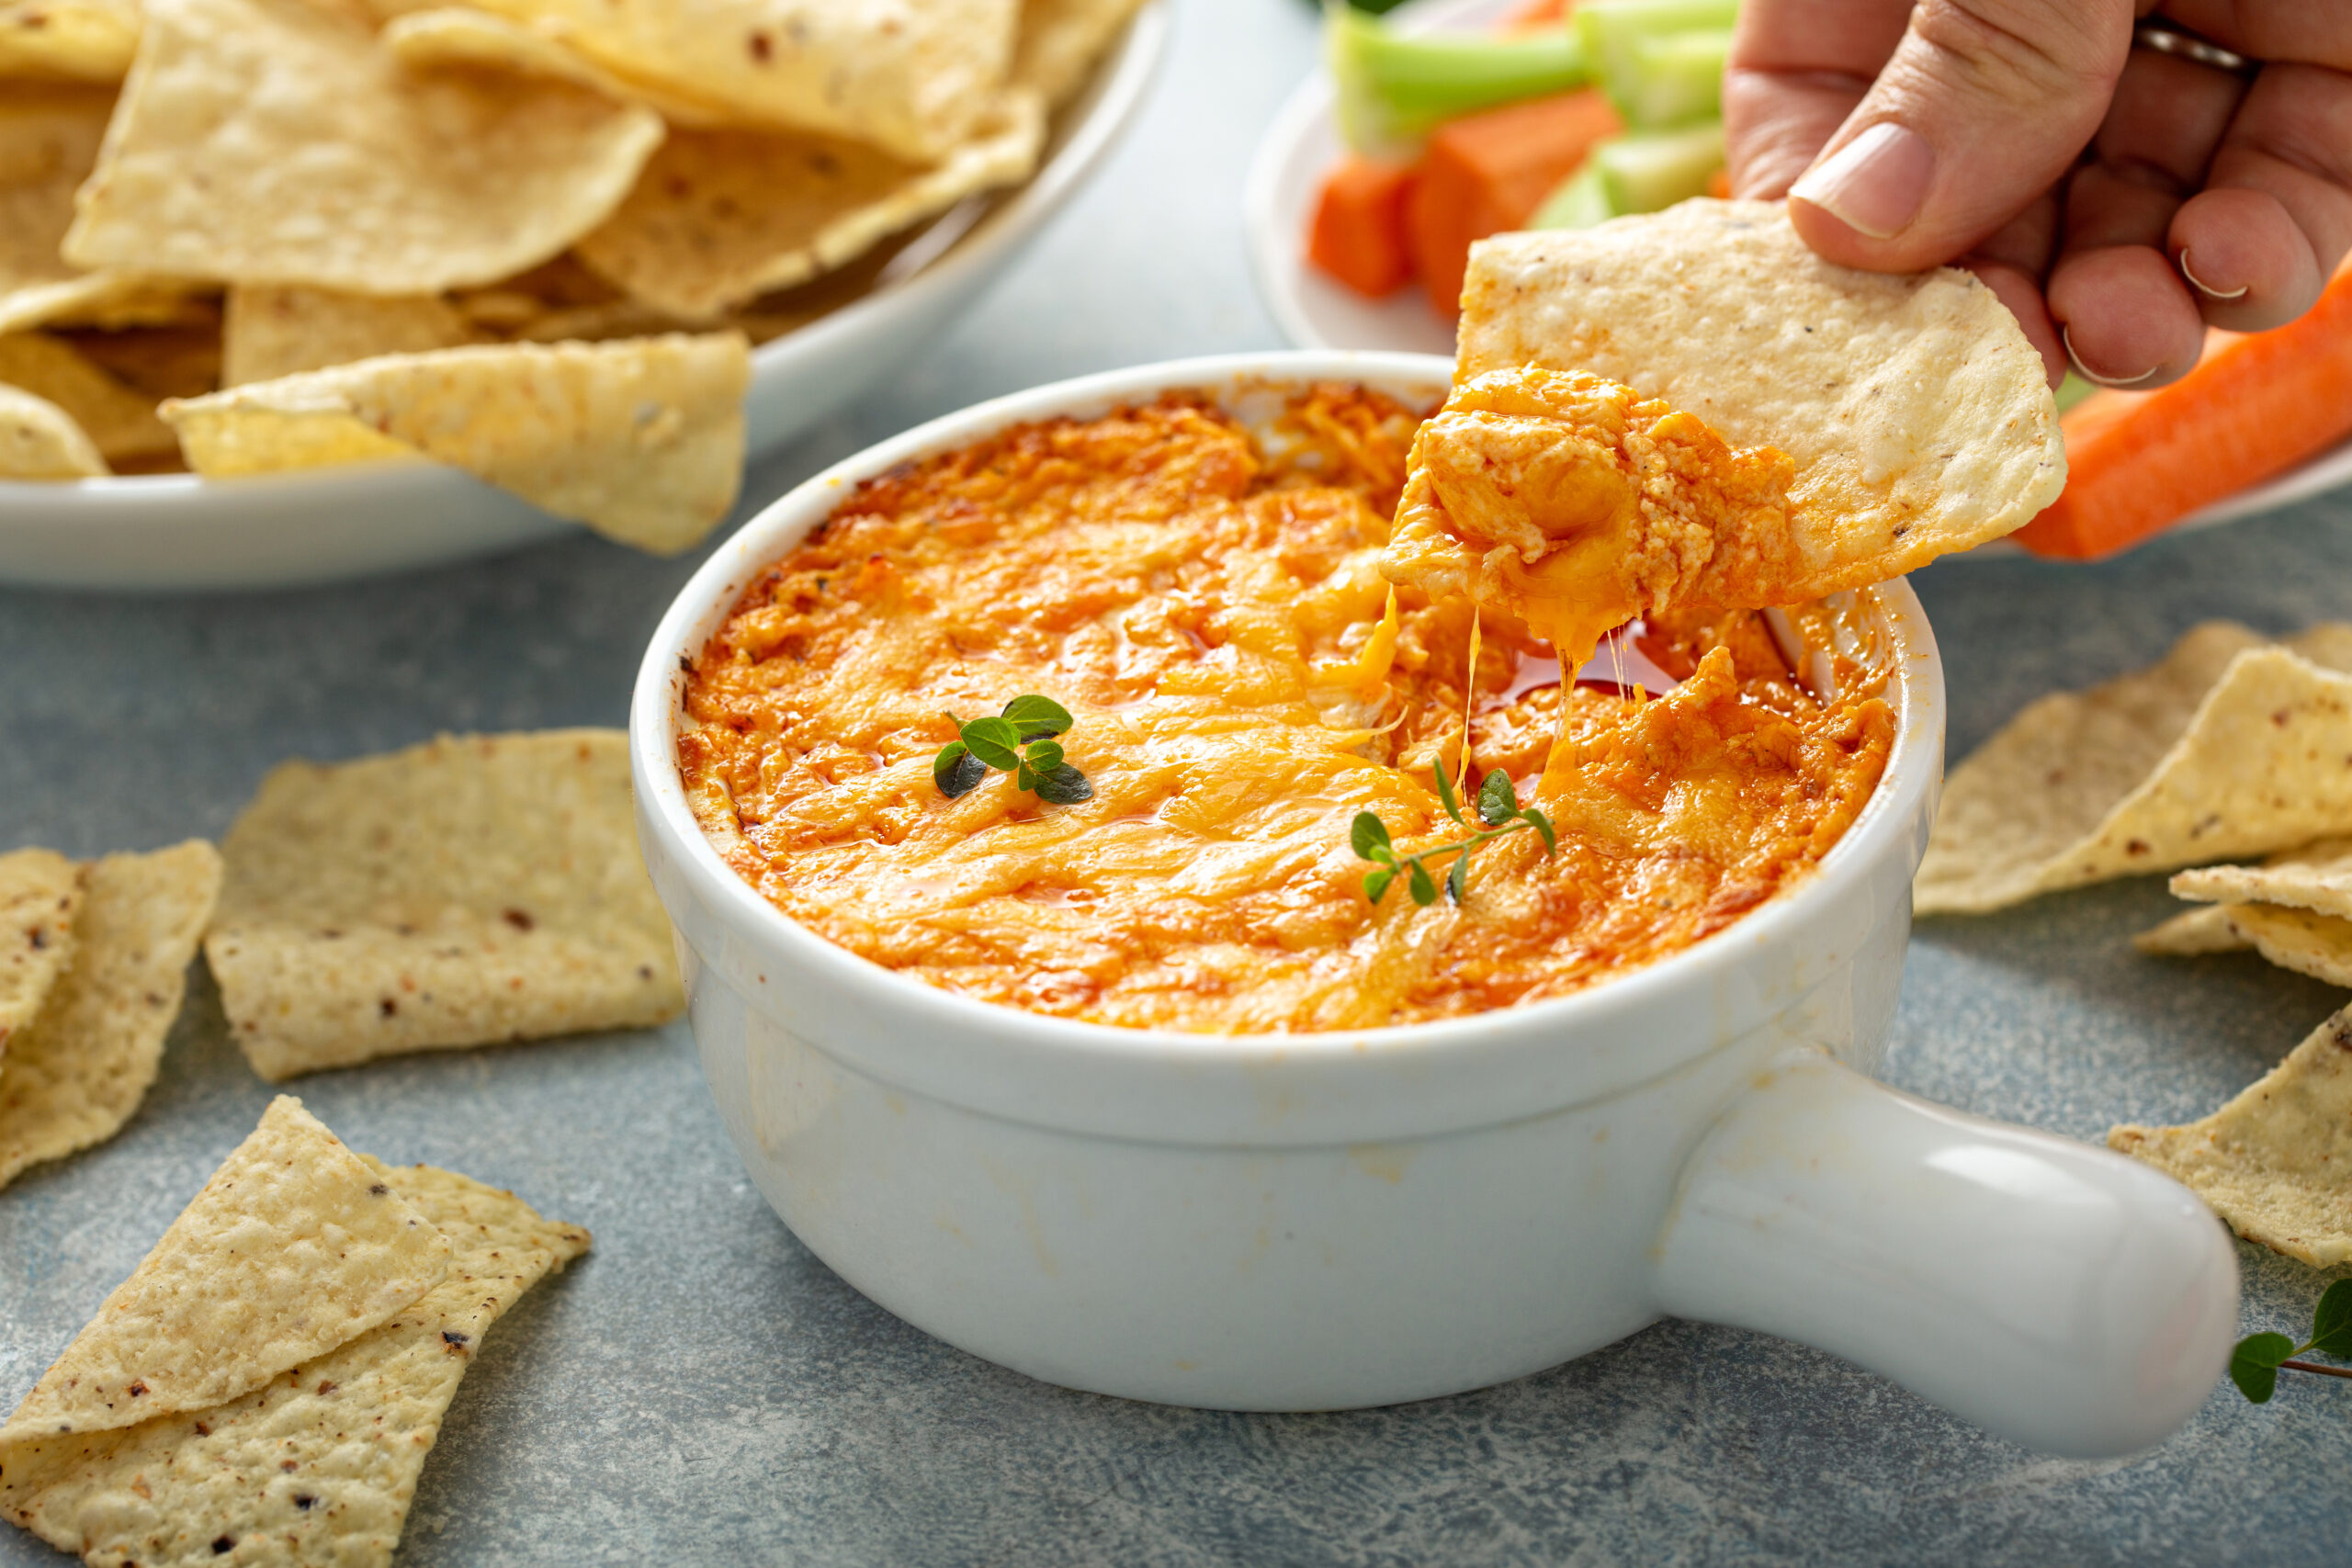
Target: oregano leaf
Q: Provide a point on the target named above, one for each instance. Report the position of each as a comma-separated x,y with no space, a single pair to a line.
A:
1027,778
1446,796
1062,784
1424,890
995,743
1376,883
1369,834
1033,718
1044,756
2254,1365
2331,1323
1458,879
957,772
1543,826
1497,802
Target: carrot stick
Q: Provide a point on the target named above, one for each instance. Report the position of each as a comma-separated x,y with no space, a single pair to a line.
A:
1485,173
1719,185
1358,231
2256,403
1536,14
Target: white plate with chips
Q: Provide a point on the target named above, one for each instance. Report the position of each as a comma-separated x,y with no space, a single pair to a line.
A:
180,532
1314,311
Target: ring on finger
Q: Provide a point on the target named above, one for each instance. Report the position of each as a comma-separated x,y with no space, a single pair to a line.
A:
2187,46
2066,336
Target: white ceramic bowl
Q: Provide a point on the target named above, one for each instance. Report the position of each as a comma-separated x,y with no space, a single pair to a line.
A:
1313,312
1311,1221
177,532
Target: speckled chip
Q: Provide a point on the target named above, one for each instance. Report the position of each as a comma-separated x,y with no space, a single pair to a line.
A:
2272,1162
40,892
76,1074
2232,745
318,1461
642,440
464,892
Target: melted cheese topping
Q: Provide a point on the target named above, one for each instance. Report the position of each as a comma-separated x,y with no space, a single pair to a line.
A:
1244,681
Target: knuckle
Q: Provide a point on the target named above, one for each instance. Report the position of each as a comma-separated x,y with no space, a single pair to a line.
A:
2018,49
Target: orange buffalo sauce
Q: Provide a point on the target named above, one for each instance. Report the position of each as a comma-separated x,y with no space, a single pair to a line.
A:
1210,607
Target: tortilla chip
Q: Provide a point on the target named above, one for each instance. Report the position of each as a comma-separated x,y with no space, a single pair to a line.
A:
2276,1161
1060,40
720,216
2192,935
1917,416
321,1464
40,892
49,143
272,142
74,1076
641,440
120,423
909,79
82,41
460,893
2314,944
272,330
459,37
2317,876
294,1246
40,441
156,362
2230,747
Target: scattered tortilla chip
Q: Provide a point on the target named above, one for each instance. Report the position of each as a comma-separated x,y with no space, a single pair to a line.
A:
1919,418
273,330
720,216
2192,935
292,1247
640,440
120,423
82,41
2230,747
2276,1161
40,441
272,142
460,893
40,892
320,1464
2317,876
459,37
2309,944
75,1075
1061,39
909,79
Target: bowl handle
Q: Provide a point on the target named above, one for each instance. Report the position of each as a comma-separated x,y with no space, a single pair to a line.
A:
2067,1298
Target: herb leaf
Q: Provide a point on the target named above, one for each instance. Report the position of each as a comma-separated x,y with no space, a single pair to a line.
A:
1446,798
993,741
2331,1324
2254,1365
1035,717
1543,826
1376,883
1457,881
957,772
1017,741
1497,802
1424,890
1062,784
1369,836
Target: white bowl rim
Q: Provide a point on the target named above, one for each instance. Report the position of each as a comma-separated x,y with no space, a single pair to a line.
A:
1913,772
1124,73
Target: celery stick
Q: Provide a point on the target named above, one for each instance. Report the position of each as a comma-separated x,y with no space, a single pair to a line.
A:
1655,79
1394,90
1578,202
1650,170
2073,390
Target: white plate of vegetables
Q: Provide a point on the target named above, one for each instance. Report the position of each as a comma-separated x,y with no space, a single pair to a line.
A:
1446,121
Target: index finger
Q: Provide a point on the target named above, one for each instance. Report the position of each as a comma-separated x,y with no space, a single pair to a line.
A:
1797,69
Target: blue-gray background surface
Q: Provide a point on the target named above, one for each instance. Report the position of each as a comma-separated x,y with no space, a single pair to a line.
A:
701,1390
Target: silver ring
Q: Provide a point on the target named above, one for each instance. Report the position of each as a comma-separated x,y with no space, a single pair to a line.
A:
2190,47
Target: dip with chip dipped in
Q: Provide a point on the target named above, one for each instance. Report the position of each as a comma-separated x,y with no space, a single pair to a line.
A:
1134,1084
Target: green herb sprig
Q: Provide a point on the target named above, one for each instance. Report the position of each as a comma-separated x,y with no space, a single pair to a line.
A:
2255,1364
1499,812
1019,741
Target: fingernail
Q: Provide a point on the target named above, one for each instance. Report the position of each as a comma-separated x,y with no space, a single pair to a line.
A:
2205,288
2087,374
1876,183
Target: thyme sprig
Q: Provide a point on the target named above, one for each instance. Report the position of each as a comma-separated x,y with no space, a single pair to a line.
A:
1019,741
2255,1363
1498,813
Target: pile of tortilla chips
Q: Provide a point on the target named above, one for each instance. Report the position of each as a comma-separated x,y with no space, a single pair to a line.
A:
2234,746
275,1370
93,966
529,239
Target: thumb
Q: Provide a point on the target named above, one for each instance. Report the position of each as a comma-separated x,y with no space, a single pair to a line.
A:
1983,108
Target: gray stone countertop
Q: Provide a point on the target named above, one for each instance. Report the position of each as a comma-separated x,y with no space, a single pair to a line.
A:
701,1390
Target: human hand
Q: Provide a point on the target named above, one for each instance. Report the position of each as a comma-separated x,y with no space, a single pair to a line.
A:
2119,201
